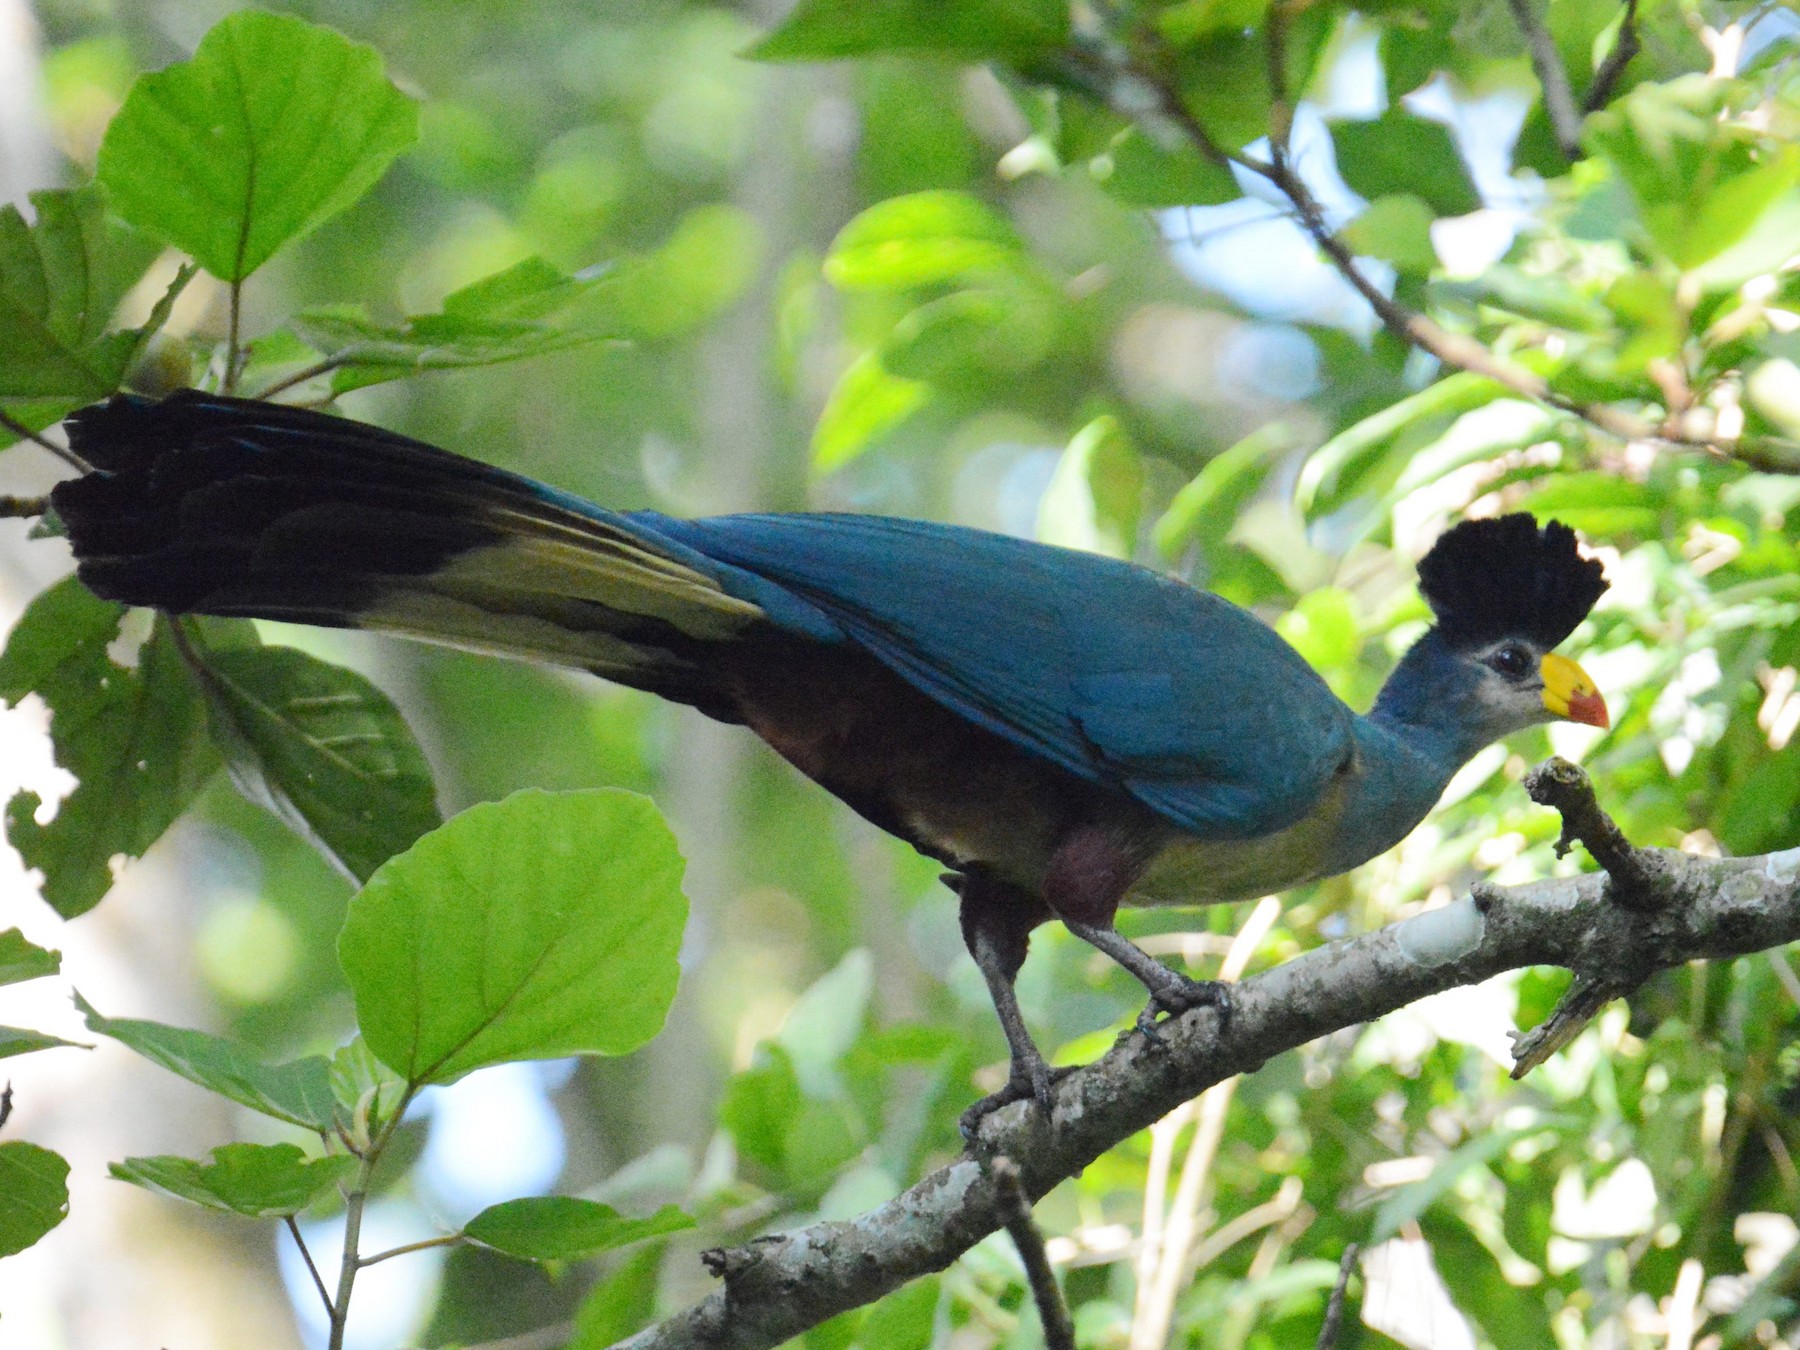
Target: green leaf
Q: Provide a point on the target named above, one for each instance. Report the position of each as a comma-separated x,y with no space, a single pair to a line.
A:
21,1041
1395,229
22,960
905,1320
1701,180
1332,472
1096,494
821,30
261,1181
1398,153
866,403
922,239
1139,171
366,1090
1405,1205
621,1303
275,126
540,926
561,1228
61,278
1323,628
1203,511
134,738
298,1092
34,1194
975,330
760,1106
510,316
321,748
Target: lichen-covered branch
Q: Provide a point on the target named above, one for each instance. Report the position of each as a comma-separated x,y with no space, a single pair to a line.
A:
784,1283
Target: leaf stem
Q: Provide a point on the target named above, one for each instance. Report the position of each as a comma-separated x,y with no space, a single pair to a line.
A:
229,384
425,1244
316,369
293,1228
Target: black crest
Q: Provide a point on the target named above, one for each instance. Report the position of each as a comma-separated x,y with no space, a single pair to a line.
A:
1491,579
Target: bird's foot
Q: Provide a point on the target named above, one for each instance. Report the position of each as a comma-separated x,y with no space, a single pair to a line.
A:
1180,994
1033,1082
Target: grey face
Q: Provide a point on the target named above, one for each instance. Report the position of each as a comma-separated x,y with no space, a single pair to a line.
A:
1506,692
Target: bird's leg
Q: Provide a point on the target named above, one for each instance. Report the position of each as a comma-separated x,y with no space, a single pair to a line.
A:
997,920
1089,874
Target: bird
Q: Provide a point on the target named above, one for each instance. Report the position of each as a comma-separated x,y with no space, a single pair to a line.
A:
1064,732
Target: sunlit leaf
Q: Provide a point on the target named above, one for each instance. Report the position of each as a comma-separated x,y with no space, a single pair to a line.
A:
274,126
819,30
866,403
921,239
1396,229
133,737
536,927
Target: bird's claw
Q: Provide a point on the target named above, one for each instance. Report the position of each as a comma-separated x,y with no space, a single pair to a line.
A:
1180,995
1036,1083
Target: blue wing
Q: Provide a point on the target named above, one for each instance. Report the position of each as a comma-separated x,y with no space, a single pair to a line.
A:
1118,674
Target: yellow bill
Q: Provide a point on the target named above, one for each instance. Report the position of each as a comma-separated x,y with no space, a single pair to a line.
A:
1571,693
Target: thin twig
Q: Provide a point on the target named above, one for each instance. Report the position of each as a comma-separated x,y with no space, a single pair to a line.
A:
23,508
293,1227
1599,93
424,1244
6,1102
62,452
1281,106
1334,1310
1559,99
1417,330
312,372
1053,1313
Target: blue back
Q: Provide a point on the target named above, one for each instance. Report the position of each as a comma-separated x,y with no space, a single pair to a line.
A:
1122,676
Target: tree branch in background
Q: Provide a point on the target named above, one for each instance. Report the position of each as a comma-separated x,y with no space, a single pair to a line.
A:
1123,83
1053,1314
1600,92
1559,98
62,452
1334,1310
783,1283
23,508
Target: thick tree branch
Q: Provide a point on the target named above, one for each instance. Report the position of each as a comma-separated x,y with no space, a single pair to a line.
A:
784,1283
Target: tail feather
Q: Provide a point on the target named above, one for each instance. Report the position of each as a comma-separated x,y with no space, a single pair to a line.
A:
202,504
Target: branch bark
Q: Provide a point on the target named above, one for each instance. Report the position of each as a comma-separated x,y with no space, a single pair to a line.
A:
786,1282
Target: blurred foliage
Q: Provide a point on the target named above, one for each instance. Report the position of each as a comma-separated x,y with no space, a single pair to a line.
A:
1019,296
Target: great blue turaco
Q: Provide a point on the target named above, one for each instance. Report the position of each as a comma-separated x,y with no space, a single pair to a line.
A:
1065,732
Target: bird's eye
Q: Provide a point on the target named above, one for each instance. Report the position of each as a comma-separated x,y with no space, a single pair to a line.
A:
1511,660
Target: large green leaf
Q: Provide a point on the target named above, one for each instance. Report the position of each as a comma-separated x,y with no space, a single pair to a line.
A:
273,127
820,30
262,1181
513,315
562,1228
133,737
323,749
1400,153
22,960
543,925
1141,170
298,1092
61,278
34,1194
